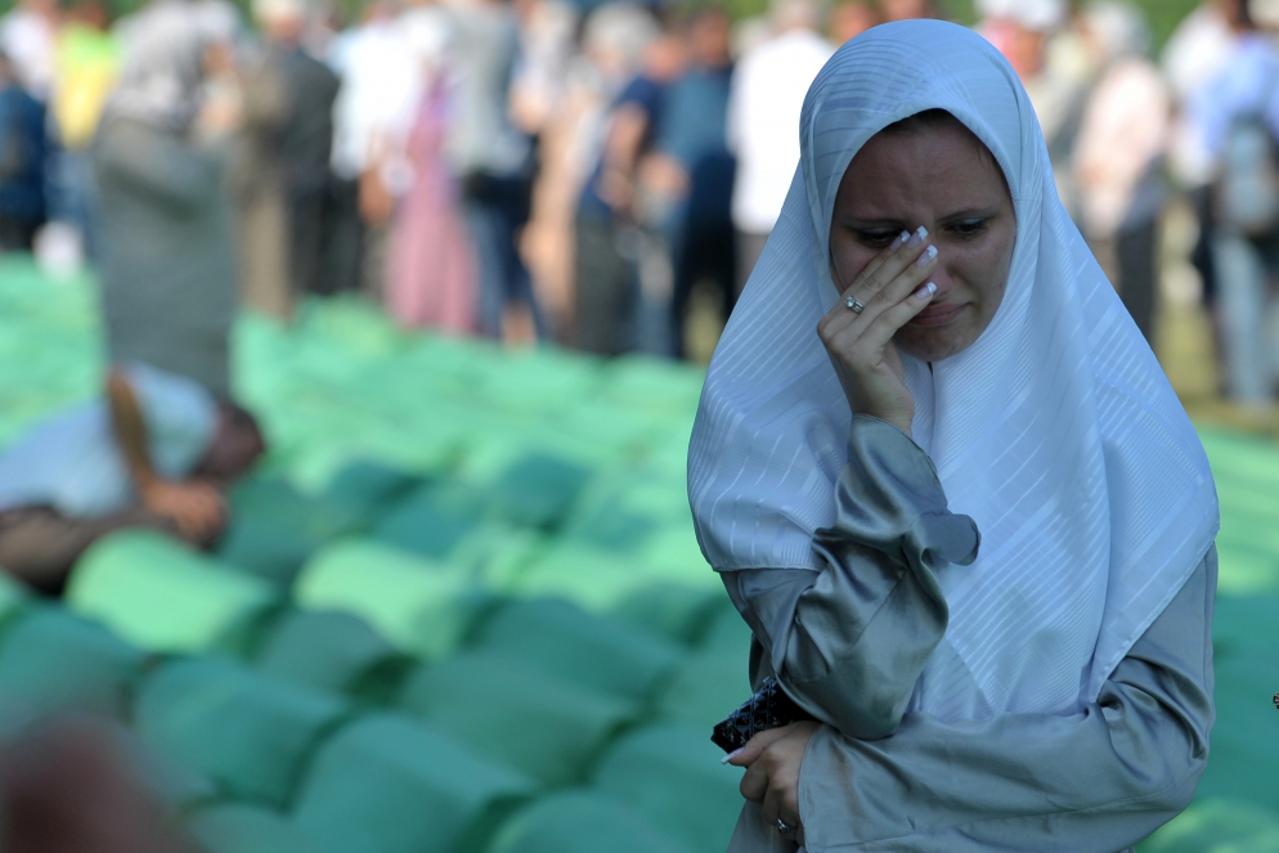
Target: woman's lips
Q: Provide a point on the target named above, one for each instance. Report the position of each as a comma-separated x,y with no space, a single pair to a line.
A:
937,315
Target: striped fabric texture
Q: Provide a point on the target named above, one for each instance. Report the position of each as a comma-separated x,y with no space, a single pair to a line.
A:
1056,430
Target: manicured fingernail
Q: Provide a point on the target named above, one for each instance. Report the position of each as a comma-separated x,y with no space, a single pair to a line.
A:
730,756
927,257
927,290
921,233
901,239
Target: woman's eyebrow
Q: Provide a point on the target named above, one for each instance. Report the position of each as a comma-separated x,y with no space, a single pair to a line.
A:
970,213
870,224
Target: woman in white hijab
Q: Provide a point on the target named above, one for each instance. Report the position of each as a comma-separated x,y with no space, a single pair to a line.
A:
926,329
169,286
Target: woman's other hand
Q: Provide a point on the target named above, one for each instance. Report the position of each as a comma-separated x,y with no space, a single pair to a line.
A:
858,331
772,759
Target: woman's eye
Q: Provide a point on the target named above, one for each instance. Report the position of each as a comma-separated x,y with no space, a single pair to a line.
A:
876,239
968,229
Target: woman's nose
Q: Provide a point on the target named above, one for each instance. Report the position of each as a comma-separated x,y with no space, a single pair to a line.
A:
943,274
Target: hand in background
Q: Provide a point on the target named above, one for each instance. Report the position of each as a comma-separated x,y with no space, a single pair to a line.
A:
197,509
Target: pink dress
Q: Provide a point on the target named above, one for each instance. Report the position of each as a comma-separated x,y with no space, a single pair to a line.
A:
431,279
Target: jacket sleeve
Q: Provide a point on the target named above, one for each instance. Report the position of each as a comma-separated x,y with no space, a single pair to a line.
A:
1100,779
848,642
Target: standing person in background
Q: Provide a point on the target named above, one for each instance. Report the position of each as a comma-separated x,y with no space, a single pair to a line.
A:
305,139
694,170
168,279
494,161
546,49
644,238
763,112
1074,59
1118,163
88,59
342,228
28,35
372,117
1056,77
606,297
257,186
431,280
552,90
1237,118
24,153
1192,59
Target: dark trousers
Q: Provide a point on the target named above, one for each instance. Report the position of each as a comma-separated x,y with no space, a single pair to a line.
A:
705,252
1202,257
40,545
1131,263
17,235
306,240
72,195
495,209
343,238
604,289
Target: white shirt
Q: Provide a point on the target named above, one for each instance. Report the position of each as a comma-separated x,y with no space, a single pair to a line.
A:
28,39
1124,132
1195,54
763,123
71,461
379,98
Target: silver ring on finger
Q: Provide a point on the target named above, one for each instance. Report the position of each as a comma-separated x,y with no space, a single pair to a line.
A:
783,827
852,303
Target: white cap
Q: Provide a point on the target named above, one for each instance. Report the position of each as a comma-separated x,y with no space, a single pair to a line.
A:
279,10
1039,15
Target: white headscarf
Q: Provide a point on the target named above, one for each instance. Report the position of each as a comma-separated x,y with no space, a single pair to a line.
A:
1056,430
162,76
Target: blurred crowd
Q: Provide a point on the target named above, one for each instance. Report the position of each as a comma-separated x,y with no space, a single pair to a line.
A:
537,170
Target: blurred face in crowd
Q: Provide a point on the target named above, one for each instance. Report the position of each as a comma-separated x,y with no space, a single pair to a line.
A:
905,10
710,39
48,8
849,20
219,59
1237,13
89,14
664,58
937,174
1025,49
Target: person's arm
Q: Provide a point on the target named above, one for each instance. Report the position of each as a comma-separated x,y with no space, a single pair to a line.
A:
622,146
196,508
130,430
848,643
1100,779
264,101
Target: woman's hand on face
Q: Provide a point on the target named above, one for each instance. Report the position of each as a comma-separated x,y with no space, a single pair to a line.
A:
772,759
890,291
